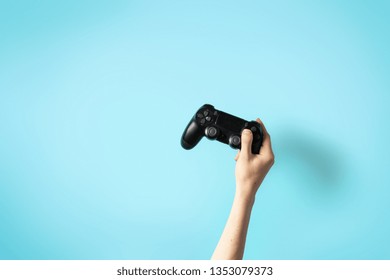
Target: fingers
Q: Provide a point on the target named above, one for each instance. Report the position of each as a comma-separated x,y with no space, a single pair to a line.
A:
266,145
246,142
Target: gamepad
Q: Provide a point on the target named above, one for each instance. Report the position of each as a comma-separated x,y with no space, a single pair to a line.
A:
220,126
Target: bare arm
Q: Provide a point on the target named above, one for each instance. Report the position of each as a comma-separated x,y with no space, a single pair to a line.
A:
251,170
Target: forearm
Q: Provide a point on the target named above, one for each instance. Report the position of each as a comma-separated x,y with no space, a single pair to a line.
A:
232,242
250,171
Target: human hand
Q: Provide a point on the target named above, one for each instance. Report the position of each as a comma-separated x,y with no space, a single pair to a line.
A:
251,169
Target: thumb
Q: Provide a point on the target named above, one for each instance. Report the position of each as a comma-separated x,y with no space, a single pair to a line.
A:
246,142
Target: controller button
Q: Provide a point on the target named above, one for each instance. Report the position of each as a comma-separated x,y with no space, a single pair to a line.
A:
202,121
199,115
212,132
208,118
234,141
206,113
215,113
253,129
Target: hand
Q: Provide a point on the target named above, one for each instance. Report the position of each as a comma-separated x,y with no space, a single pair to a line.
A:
250,172
251,169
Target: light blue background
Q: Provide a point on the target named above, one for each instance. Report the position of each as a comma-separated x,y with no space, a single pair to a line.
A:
95,96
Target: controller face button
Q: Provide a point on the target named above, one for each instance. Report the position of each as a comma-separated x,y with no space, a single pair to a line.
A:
199,115
206,113
202,121
208,118
253,129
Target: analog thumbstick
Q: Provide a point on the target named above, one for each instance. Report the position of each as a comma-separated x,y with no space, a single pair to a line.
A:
211,132
235,141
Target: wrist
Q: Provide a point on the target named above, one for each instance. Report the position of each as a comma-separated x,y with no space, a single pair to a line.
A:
244,197
246,188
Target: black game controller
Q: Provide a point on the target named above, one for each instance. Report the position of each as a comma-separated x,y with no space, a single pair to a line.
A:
225,128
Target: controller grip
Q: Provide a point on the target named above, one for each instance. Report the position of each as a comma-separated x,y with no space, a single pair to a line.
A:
257,133
191,135
256,147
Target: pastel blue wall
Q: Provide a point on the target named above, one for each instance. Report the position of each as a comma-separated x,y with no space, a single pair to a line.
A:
94,96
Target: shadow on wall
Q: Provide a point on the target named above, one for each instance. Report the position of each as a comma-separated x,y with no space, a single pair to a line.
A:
310,161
